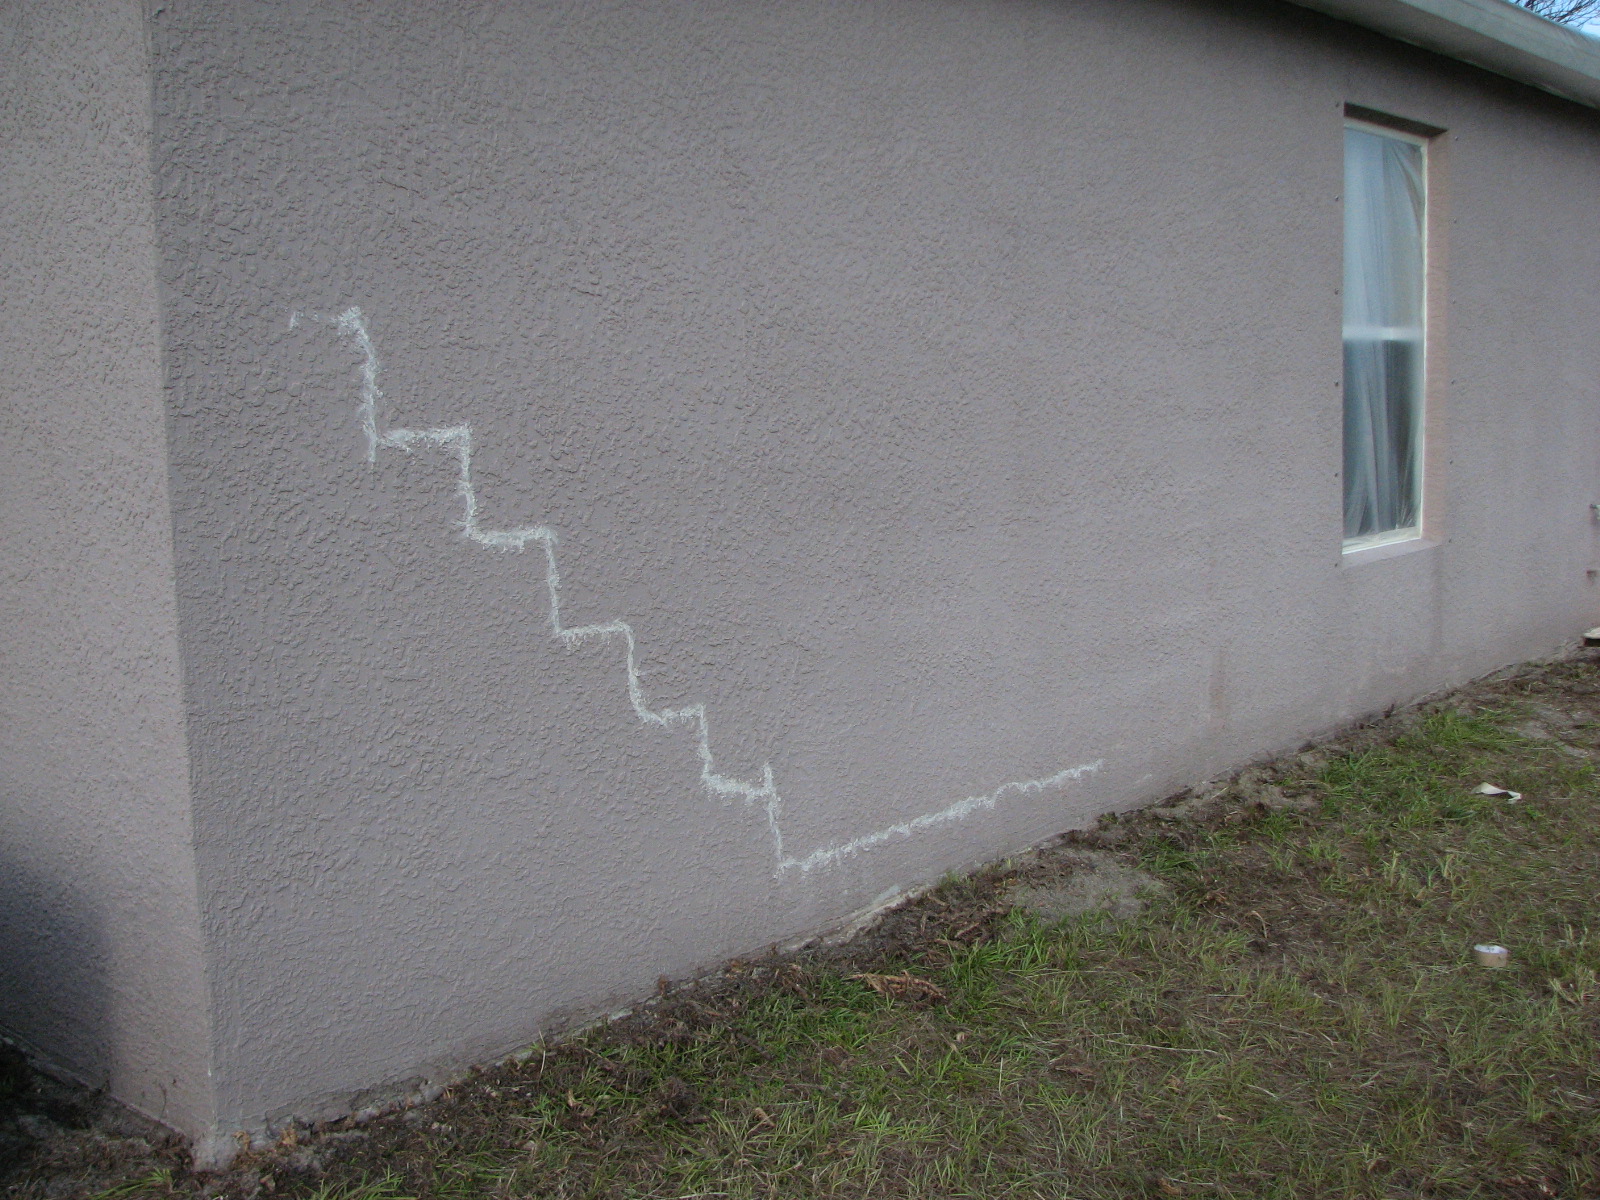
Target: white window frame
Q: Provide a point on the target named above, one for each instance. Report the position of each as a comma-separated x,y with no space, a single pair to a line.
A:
1409,533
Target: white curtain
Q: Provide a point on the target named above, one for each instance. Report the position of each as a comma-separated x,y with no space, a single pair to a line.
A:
1383,352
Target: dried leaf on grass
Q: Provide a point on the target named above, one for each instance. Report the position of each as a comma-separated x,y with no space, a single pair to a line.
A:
583,1110
678,1100
976,928
1071,1066
901,987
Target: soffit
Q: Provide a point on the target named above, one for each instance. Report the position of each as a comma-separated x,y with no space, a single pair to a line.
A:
1496,35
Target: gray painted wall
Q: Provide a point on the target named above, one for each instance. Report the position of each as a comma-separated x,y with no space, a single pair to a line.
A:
943,395
100,963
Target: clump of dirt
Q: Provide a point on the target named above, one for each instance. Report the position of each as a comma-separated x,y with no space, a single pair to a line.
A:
1093,881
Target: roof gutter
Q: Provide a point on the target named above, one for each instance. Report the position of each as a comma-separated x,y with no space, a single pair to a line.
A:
1493,34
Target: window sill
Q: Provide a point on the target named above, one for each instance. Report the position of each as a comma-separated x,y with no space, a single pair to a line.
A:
1367,552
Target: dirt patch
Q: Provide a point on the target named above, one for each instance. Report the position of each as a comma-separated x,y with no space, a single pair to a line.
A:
1091,882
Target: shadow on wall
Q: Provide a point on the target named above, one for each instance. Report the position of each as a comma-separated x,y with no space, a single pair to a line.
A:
54,982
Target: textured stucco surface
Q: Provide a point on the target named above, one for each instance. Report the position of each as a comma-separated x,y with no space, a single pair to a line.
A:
944,394
99,930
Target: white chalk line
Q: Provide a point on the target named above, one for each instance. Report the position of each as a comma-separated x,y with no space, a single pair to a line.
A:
958,810
458,440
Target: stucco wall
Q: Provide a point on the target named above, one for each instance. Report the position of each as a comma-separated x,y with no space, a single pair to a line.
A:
99,931
944,395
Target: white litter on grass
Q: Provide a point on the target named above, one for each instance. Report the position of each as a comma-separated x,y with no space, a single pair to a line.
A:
1490,789
1490,955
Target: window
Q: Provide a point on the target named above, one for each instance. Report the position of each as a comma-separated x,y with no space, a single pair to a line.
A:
1385,260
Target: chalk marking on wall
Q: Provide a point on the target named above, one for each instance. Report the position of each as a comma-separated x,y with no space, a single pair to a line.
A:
958,810
457,439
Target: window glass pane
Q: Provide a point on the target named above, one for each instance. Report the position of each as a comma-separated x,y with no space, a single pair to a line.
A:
1383,332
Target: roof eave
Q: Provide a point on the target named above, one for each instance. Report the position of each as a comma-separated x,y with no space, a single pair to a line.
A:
1496,35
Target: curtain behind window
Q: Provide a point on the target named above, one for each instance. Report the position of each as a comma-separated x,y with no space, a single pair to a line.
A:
1383,306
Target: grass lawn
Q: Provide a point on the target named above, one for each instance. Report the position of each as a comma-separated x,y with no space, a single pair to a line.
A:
1296,1012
